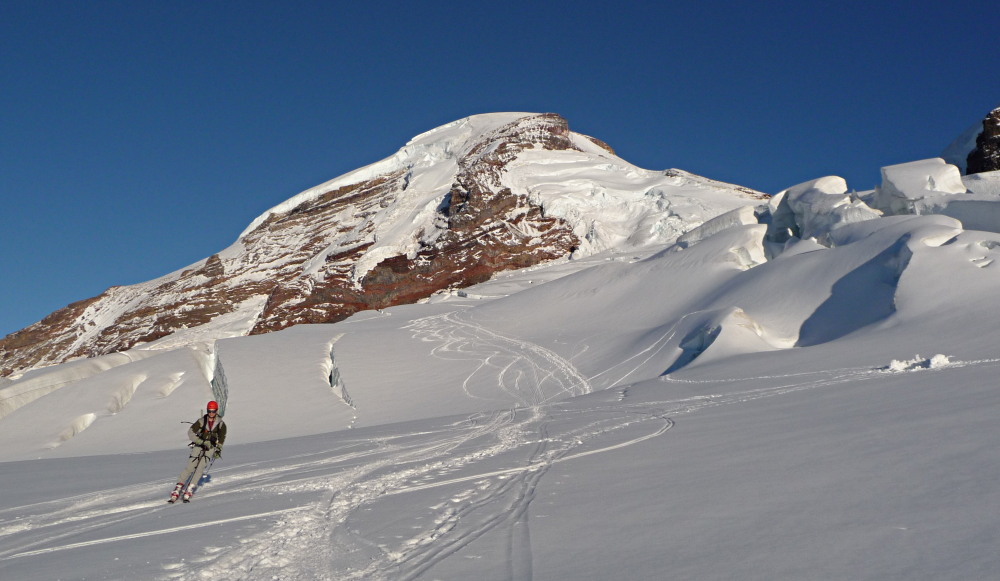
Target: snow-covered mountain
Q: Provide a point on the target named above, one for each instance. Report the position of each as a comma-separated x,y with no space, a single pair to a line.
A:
451,208
716,386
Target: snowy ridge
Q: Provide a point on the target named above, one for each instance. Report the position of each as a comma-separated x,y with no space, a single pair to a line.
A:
429,149
607,200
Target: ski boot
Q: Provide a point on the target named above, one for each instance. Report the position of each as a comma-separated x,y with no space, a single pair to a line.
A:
188,494
176,493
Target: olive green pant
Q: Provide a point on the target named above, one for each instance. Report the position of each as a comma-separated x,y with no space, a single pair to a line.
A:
197,462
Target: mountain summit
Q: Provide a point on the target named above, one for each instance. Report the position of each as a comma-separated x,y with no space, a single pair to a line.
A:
454,206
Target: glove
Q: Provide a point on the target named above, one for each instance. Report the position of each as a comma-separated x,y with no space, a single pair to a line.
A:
217,454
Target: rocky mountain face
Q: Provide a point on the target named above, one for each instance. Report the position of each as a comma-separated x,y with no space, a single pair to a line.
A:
439,214
986,156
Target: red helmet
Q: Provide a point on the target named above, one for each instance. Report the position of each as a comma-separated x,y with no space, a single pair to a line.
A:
213,406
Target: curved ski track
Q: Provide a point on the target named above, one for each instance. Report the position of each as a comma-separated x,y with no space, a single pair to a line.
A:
528,373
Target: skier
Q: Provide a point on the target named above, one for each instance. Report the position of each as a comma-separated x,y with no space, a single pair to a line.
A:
207,436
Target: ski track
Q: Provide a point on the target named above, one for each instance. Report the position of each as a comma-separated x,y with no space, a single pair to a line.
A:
482,474
530,374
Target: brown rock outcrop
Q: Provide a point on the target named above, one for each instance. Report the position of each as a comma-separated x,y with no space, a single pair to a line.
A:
986,156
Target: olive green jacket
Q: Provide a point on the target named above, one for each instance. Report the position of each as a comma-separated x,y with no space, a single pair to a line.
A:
199,434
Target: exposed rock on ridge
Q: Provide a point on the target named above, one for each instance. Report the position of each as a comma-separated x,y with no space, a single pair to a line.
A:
986,156
482,228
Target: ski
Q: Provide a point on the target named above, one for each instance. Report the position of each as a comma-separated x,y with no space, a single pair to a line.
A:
186,497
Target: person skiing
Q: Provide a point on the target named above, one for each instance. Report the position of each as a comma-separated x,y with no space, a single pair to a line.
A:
207,435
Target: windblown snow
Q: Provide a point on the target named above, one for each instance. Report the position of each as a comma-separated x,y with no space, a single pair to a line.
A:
716,387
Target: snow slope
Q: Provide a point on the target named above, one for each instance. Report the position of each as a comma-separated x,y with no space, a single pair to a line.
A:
726,407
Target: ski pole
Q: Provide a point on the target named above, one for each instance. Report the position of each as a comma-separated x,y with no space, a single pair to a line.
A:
207,476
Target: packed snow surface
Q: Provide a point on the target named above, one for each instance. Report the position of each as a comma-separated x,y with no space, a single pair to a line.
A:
729,406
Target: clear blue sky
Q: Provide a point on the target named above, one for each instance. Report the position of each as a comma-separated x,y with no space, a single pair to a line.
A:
139,137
